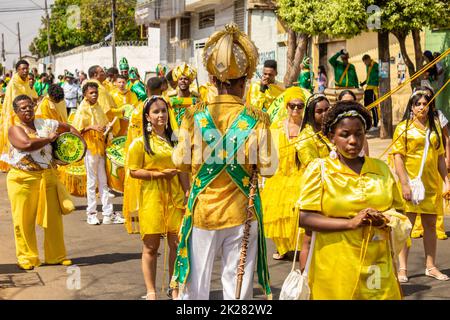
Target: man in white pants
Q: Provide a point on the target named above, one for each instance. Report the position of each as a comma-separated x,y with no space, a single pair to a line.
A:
91,121
217,205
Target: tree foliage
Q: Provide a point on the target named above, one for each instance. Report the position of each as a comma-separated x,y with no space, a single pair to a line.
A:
94,25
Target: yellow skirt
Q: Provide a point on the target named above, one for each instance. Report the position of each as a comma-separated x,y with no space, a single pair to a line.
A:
160,206
280,218
74,177
343,268
132,187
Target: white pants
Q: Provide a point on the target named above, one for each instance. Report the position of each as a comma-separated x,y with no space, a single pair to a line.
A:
204,245
95,171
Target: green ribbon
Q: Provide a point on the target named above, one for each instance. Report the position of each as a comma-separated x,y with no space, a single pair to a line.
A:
139,89
178,104
223,157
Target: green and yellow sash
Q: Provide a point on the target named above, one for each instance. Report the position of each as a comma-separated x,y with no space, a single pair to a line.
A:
179,105
223,157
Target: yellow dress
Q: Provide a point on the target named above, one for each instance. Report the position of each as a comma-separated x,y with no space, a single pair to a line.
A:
33,193
311,145
47,109
412,152
160,200
280,193
342,266
132,186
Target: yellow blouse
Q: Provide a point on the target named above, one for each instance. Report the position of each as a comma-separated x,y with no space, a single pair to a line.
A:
311,145
343,263
262,100
47,109
222,204
412,152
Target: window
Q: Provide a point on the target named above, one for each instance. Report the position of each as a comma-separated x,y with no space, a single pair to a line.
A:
185,28
206,19
239,14
171,28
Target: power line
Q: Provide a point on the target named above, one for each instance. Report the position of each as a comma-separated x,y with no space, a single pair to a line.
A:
8,10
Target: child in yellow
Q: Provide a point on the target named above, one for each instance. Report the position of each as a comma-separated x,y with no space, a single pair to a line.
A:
161,196
281,191
91,121
33,186
122,96
408,152
348,202
53,105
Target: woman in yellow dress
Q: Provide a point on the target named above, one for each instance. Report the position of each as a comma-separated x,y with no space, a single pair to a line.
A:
33,186
312,144
281,191
347,201
408,152
163,188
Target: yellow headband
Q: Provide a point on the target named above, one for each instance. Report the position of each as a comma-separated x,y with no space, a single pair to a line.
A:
184,70
295,93
230,54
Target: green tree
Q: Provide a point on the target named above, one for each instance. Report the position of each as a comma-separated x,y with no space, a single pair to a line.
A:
306,18
93,27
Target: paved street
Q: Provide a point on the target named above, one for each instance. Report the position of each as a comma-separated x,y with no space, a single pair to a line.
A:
109,261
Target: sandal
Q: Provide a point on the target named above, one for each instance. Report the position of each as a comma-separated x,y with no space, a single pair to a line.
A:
441,277
150,294
402,279
277,256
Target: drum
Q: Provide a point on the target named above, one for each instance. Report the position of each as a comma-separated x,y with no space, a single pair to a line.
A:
115,161
333,94
74,177
127,112
68,148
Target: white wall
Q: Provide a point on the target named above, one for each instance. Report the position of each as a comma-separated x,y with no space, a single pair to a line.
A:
264,35
144,58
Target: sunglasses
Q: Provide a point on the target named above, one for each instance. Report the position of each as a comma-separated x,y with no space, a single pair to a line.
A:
296,106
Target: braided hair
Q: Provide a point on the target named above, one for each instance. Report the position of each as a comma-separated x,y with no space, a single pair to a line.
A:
146,133
329,123
311,109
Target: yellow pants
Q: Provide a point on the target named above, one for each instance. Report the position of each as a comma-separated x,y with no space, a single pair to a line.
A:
417,231
23,191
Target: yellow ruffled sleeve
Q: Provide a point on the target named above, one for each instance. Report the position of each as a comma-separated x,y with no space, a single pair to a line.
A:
136,154
311,188
399,146
306,148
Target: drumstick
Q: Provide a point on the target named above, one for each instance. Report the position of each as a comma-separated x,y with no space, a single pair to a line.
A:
109,127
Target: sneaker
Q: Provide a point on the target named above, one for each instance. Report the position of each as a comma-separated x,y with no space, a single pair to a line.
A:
115,218
92,219
111,195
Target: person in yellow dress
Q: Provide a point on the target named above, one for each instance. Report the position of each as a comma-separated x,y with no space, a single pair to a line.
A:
417,230
18,85
163,189
408,152
262,93
33,188
311,145
53,105
350,202
280,221
132,186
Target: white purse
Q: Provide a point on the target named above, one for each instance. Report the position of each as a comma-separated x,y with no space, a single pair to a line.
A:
416,184
295,286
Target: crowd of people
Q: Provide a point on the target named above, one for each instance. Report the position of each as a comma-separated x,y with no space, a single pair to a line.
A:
216,169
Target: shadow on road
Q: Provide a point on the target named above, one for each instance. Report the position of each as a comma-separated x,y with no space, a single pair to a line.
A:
106,258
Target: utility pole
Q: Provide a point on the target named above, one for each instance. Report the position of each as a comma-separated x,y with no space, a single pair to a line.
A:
113,39
3,48
20,45
47,22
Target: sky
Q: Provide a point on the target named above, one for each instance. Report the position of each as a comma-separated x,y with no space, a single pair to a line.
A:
30,21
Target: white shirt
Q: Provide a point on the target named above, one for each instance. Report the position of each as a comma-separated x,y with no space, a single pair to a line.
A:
71,94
